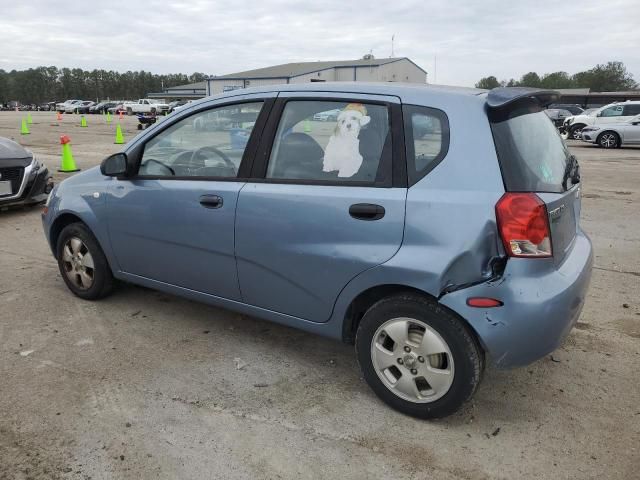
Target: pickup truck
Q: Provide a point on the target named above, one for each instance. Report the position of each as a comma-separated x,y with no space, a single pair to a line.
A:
145,105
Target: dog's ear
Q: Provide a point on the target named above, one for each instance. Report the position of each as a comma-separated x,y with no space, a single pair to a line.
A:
364,120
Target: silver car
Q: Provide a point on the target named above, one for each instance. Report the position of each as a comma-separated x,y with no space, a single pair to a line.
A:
614,135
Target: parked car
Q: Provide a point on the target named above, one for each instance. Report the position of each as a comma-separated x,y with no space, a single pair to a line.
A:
178,104
575,109
146,105
119,107
609,114
47,106
24,180
434,256
102,107
557,116
328,116
80,107
614,135
62,107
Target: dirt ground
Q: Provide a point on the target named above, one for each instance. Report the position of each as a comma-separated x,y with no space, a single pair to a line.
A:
143,385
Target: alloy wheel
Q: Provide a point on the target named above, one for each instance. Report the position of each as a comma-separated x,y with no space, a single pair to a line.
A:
608,140
412,360
77,262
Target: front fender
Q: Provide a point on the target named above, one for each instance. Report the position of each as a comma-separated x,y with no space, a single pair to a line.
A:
85,200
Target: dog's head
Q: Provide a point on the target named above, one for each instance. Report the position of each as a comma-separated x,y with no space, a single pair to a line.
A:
352,119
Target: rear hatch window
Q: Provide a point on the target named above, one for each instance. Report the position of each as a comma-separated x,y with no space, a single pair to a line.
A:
534,158
532,155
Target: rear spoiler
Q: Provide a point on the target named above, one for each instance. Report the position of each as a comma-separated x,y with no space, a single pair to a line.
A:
505,96
509,102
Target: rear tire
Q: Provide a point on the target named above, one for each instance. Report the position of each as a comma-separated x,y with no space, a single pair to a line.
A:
431,367
82,263
609,140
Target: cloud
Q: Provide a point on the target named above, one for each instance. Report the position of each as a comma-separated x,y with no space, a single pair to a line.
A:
470,39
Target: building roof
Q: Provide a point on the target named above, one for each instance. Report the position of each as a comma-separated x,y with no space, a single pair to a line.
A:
288,70
188,86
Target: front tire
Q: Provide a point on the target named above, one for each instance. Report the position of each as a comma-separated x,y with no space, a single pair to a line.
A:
417,357
82,263
609,140
575,132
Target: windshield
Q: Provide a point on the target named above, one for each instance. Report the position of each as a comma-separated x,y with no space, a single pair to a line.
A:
533,157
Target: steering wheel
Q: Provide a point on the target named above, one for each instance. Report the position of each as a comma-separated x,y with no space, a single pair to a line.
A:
218,152
152,160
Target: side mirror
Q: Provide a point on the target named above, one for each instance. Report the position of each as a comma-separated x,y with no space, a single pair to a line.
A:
599,114
115,165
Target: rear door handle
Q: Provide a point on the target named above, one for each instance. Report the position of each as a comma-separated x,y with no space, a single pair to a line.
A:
211,201
366,211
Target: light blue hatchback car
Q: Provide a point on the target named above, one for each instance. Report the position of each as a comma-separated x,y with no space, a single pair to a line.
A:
435,228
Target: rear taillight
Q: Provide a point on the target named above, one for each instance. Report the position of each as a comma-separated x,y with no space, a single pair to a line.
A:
524,225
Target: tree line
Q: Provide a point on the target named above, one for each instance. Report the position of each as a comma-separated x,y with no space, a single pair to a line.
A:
48,84
609,77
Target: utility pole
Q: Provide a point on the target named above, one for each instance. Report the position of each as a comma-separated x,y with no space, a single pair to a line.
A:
393,37
435,69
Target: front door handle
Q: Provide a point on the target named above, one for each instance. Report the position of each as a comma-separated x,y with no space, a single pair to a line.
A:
366,211
211,201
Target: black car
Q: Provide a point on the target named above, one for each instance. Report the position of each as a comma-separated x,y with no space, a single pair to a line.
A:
23,179
102,107
84,107
572,107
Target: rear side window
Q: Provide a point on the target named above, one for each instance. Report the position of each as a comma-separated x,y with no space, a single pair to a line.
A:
631,110
426,139
531,153
332,141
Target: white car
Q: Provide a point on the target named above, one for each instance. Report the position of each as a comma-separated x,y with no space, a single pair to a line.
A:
62,107
609,114
146,105
615,134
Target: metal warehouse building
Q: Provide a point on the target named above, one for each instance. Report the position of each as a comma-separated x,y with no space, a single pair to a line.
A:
370,70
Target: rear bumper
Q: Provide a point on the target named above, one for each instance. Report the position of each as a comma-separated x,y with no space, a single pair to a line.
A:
590,137
541,305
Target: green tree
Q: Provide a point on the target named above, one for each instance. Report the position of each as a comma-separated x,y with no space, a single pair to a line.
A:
556,80
530,79
610,77
488,83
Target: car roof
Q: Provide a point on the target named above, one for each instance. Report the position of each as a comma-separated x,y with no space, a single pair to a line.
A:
397,89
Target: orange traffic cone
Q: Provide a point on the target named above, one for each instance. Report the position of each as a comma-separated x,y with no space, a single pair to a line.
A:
59,116
121,115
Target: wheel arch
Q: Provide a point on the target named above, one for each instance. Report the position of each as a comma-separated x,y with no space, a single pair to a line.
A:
365,299
609,131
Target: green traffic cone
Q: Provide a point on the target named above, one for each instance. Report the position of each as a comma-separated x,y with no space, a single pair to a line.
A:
29,119
24,130
83,121
67,163
108,118
119,137
307,126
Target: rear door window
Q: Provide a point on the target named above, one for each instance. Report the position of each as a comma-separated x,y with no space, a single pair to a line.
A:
332,141
532,154
631,110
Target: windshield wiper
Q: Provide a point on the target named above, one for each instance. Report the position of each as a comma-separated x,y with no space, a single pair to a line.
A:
571,171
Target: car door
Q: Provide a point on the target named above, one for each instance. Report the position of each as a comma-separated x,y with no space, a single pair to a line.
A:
631,131
612,114
173,221
326,201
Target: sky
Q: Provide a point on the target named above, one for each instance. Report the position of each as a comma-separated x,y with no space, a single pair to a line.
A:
457,42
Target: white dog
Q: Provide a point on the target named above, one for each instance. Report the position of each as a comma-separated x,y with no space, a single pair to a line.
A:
343,152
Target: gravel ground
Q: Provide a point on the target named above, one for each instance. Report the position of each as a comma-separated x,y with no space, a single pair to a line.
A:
145,385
